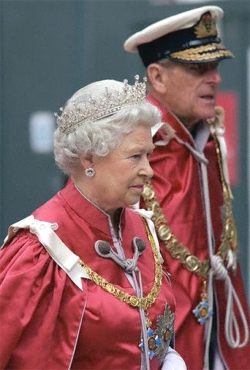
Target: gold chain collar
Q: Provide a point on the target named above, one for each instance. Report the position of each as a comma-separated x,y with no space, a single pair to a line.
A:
134,301
179,251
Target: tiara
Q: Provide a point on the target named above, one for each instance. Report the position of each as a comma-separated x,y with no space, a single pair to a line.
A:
97,108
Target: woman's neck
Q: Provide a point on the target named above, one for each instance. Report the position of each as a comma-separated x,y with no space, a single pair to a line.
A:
115,220
113,214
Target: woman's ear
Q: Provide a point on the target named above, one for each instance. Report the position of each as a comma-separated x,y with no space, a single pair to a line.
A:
157,76
86,162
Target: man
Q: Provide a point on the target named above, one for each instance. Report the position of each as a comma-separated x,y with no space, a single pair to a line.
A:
190,193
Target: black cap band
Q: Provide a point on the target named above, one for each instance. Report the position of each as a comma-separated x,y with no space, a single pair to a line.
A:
164,46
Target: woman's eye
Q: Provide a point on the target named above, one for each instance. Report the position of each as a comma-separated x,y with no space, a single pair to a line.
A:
136,156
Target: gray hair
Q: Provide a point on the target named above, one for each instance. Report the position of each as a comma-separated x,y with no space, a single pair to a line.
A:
101,136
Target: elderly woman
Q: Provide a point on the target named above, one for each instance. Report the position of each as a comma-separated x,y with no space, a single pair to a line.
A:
82,281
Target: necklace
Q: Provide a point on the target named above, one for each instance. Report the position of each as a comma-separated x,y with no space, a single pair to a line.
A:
179,251
132,300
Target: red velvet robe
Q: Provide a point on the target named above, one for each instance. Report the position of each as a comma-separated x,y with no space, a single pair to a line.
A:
47,322
177,185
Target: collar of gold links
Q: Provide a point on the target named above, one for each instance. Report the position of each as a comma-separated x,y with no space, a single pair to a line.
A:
134,301
179,251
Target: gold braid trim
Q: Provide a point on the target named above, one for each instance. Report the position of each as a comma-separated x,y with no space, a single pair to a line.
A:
204,52
134,301
179,251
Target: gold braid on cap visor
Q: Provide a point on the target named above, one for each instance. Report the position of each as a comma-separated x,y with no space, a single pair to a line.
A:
202,53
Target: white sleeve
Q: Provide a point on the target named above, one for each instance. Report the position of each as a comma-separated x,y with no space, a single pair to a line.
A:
173,361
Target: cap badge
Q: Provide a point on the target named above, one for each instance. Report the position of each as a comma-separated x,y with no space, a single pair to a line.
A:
206,26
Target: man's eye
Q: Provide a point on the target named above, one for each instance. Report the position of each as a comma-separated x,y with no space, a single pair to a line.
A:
194,67
202,68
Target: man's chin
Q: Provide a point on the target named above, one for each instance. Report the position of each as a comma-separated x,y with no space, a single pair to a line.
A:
206,114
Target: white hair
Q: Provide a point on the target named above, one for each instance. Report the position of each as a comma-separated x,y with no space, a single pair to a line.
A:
101,136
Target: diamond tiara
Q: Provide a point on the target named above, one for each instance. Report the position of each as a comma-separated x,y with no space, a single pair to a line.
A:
111,101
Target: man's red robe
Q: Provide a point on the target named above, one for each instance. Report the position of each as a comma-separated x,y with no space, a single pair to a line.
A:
178,187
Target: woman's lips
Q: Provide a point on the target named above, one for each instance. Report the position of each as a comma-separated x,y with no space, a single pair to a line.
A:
138,187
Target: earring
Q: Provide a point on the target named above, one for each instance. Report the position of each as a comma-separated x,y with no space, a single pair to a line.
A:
90,172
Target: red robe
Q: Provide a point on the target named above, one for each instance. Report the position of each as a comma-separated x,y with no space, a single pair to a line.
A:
48,322
177,185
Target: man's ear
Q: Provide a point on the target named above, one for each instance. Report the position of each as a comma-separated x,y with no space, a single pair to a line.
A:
157,76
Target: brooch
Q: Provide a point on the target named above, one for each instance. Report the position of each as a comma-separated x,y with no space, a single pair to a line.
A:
202,311
159,339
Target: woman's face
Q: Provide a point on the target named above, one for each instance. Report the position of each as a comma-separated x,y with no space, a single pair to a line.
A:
121,175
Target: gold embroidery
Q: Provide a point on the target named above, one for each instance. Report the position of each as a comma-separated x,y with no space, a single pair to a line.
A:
141,302
206,27
203,52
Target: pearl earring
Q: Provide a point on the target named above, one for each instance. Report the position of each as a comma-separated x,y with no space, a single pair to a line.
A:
90,172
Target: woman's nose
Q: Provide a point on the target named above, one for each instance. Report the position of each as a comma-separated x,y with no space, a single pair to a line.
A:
147,169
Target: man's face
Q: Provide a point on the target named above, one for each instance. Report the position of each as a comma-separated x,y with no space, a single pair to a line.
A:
190,90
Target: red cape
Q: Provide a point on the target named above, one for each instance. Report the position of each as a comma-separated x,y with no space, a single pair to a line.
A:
177,184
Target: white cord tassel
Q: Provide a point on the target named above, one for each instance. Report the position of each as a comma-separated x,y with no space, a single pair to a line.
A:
231,329
217,127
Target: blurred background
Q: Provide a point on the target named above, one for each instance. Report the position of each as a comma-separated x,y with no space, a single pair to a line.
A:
51,48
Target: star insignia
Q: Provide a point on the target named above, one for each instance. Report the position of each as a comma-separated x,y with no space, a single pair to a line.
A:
202,311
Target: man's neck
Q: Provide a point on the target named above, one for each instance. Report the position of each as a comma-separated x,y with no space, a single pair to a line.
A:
158,101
